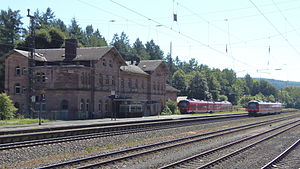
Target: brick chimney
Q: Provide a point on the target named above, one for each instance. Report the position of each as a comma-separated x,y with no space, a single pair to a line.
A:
70,48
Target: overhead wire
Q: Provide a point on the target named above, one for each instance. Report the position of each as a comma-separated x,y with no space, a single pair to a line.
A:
182,34
275,28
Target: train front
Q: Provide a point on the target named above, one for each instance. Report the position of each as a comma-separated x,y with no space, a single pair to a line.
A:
183,106
252,108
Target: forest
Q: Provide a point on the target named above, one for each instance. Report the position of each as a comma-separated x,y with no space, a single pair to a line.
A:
193,79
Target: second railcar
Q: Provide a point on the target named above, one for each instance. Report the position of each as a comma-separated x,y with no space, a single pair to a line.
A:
255,108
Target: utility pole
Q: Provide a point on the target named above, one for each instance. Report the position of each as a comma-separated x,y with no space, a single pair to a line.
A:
31,64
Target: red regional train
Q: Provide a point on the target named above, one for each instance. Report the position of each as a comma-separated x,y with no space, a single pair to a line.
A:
259,108
200,106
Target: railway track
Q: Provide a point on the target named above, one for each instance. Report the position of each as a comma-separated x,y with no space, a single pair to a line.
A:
31,143
272,163
132,153
50,137
196,161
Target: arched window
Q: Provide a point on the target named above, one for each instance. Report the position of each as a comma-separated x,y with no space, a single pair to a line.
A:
17,88
64,105
87,104
82,105
100,106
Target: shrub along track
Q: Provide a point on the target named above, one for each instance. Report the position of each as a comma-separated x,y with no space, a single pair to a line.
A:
108,159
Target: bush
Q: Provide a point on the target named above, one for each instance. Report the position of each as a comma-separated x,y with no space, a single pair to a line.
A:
166,111
7,109
172,106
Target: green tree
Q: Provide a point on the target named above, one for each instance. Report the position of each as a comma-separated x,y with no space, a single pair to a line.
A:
172,106
178,81
7,109
140,50
75,32
243,101
121,43
198,88
154,51
10,30
248,84
166,111
214,86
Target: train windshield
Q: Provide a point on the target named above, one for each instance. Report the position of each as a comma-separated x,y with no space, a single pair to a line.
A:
183,104
252,106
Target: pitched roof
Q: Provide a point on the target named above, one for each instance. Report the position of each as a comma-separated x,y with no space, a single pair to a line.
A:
149,65
171,88
83,54
133,69
88,53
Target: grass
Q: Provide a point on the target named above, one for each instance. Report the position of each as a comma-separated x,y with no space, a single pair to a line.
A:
20,121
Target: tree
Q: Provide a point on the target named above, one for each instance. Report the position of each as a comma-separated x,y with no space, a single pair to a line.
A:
48,37
7,109
10,30
248,84
154,51
122,45
75,31
140,50
214,86
198,88
178,81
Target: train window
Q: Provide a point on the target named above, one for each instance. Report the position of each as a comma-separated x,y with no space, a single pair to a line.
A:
182,104
252,106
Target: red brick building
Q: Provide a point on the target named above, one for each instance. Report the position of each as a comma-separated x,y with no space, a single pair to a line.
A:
81,83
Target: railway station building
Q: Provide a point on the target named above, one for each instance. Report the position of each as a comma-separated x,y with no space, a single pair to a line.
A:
82,83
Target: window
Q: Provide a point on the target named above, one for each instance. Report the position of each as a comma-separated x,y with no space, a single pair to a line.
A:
43,77
38,76
104,62
136,83
64,105
106,106
129,83
122,83
107,80
82,78
82,105
110,63
87,104
18,71
17,88
24,71
100,106
100,79
113,80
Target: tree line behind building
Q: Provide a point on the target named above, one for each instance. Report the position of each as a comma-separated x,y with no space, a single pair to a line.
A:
194,80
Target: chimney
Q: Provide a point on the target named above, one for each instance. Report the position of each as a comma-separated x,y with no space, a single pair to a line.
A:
70,48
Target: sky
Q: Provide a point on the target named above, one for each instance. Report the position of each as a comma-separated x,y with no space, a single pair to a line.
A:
258,37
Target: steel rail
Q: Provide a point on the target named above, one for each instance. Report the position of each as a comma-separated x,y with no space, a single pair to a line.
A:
150,146
13,145
191,158
281,155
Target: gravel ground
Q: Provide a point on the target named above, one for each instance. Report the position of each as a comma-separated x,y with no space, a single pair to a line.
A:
261,154
48,154
291,161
